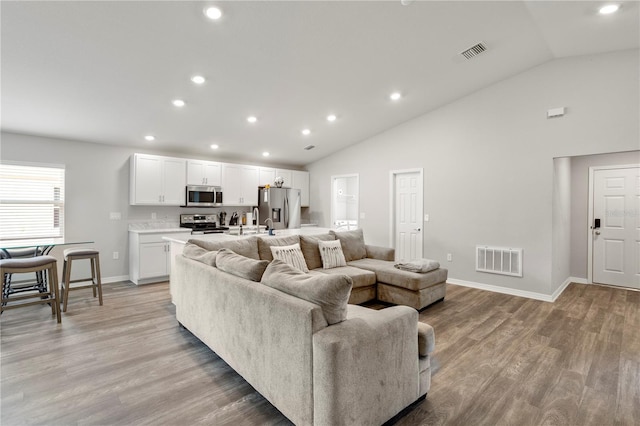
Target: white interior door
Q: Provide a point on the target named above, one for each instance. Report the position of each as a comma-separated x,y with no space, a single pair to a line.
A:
616,241
408,215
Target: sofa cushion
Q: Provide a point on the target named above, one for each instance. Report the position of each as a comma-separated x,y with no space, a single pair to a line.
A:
352,244
240,266
310,249
331,254
388,274
196,252
360,277
291,255
330,292
265,244
247,247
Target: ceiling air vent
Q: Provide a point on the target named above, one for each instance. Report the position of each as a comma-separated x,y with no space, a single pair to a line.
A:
309,147
474,51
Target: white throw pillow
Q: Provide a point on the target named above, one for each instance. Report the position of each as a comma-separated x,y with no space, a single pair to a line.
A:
331,254
291,255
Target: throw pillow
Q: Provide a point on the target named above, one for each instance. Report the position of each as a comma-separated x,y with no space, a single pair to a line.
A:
195,252
265,244
247,247
352,244
240,266
291,255
310,249
331,254
330,292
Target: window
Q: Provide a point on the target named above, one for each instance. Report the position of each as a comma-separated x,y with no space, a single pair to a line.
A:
31,201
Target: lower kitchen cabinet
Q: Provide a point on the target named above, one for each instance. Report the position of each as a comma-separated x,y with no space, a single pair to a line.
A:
150,255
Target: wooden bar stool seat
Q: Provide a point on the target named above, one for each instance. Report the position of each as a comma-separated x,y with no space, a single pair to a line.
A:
71,255
44,294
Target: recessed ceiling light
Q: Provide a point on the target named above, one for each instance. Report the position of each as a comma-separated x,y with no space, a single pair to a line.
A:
395,96
331,117
265,154
306,132
198,79
150,138
609,9
178,102
213,13
214,146
252,119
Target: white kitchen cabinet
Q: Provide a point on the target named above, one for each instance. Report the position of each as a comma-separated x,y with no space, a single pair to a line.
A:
200,172
287,175
149,255
301,181
266,175
239,185
157,180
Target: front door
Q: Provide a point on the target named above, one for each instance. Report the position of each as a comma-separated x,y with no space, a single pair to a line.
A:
408,215
616,226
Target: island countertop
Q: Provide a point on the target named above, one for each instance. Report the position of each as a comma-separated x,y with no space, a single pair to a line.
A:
307,230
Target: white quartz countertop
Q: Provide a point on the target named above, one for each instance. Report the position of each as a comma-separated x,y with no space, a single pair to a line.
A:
161,231
228,237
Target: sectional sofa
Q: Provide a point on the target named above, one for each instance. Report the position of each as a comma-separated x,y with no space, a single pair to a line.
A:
293,335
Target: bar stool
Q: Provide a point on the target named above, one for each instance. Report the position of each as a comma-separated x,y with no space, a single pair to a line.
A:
96,283
39,265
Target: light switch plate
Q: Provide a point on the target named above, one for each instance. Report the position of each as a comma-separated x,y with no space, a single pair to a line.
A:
426,218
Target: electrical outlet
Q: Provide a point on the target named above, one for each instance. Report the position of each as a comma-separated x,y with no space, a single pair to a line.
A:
449,257
116,255
154,216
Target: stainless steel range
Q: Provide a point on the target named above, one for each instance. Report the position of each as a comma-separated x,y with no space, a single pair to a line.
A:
202,223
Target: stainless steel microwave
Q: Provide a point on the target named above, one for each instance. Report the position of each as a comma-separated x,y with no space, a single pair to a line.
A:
203,196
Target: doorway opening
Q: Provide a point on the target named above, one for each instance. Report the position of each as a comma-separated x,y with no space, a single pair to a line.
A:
406,205
345,191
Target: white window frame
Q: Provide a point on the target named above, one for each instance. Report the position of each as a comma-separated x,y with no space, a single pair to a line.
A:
9,232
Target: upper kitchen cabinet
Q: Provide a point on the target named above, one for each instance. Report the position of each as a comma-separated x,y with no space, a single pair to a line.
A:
300,180
240,185
287,175
157,180
204,173
266,175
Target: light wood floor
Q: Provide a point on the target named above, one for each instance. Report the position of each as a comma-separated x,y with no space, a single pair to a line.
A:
499,360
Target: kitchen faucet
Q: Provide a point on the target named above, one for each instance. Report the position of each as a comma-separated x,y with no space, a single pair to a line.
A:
256,214
270,227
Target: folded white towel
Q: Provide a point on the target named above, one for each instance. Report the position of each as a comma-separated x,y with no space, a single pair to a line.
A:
420,265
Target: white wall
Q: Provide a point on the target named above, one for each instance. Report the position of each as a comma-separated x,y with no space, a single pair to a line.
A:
488,162
561,223
580,202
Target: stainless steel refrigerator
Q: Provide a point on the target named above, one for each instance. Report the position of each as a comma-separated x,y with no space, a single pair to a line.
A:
281,205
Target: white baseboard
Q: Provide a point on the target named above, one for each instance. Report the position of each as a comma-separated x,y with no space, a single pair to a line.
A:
579,280
115,279
521,293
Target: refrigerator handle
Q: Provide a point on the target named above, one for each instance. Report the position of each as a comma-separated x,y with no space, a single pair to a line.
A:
286,211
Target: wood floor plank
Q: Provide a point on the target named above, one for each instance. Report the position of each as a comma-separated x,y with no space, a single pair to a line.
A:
499,360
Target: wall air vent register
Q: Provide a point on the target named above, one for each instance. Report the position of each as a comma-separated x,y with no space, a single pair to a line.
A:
499,260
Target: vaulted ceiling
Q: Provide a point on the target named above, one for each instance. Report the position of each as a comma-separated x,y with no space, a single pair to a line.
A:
108,72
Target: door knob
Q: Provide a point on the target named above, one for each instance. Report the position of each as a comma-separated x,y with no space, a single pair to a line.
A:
417,229
597,232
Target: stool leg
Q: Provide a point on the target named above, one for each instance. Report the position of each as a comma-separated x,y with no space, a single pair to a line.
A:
93,276
53,286
67,278
99,281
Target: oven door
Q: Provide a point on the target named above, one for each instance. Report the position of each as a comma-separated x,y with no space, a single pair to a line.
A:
203,196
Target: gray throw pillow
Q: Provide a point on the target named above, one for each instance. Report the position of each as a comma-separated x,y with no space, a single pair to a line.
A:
247,247
352,244
196,252
240,266
291,255
331,254
330,292
265,244
310,249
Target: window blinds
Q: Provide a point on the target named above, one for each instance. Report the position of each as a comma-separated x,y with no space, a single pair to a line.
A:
31,201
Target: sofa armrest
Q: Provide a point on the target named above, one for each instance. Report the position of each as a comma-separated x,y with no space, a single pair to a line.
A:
365,369
380,253
426,339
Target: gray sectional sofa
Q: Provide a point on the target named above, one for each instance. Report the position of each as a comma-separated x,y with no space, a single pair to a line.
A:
297,338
